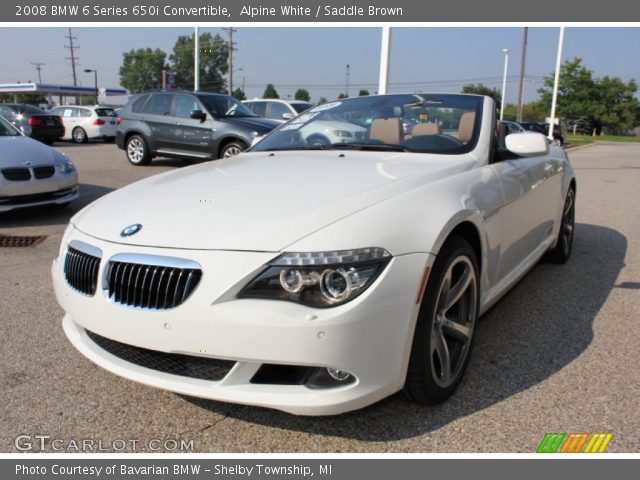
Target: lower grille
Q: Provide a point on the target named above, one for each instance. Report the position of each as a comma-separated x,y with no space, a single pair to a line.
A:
36,197
16,174
173,363
81,271
44,172
150,286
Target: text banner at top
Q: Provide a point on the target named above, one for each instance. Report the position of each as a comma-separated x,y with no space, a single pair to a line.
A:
320,11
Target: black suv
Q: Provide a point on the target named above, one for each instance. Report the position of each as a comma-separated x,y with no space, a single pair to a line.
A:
543,128
185,124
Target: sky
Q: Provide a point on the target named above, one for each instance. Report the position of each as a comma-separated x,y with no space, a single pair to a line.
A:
436,59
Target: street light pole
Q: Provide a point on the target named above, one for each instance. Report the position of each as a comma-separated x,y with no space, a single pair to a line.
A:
556,82
95,80
504,80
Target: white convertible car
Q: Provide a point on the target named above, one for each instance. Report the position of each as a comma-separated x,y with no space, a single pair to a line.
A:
318,278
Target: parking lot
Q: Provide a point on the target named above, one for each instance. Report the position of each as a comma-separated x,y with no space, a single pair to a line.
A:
558,354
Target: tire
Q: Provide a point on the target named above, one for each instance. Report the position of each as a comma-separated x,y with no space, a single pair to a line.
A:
137,151
232,149
79,135
564,244
443,337
318,140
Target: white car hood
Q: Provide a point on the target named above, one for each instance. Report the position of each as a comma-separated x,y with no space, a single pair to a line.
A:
262,201
18,149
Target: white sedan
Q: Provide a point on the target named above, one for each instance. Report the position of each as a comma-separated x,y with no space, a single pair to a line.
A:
318,278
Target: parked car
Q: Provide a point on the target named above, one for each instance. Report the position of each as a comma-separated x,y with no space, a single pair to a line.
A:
318,279
32,173
277,109
87,123
558,135
512,127
184,124
43,126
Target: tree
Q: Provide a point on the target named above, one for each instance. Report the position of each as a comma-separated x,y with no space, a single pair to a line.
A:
481,89
342,95
302,94
322,100
607,102
213,62
141,69
363,93
28,98
239,94
270,92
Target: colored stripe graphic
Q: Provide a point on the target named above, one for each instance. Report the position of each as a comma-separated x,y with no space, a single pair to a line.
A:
598,443
550,443
574,443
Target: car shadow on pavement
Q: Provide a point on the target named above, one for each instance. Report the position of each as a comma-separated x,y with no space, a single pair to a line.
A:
52,214
537,329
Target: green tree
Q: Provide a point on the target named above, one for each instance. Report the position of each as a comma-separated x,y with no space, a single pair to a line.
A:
302,94
322,100
481,89
213,62
363,93
270,92
28,98
606,103
141,69
342,95
239,94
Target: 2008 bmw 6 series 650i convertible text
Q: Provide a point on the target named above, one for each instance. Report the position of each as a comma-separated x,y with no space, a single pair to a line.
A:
319,277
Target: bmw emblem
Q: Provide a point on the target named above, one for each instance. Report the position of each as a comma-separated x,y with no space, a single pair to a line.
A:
131,230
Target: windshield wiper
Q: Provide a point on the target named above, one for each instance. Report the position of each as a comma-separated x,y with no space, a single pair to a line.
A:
373,147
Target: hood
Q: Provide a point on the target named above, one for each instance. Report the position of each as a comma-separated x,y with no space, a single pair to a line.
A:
261,201
262,125
16,150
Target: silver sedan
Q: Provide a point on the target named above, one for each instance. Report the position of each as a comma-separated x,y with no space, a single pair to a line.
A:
31,173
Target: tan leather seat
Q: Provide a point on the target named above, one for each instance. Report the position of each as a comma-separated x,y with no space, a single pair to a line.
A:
465,127
429,128
387,130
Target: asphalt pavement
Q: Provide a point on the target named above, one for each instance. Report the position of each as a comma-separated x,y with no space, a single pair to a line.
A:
560,353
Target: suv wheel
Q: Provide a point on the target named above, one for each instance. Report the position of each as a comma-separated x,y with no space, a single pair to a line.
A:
137,151
231,149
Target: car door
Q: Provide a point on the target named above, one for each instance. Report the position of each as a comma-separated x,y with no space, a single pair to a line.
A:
192,136
157,115
528,211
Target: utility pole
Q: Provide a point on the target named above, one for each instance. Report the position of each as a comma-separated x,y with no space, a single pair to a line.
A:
230,46
523,58
346,88
73,57
38,66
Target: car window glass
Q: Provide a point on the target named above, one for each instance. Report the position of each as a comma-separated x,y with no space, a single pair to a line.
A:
301,107
159,104
138,103
6,129
259,108
278,110
68,113
6,112
185,105
106,112
30,109
83,112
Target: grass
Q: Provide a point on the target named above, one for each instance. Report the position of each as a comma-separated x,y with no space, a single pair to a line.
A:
577,140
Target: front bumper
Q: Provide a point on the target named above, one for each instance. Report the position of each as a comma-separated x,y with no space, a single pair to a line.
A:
59,189
369,337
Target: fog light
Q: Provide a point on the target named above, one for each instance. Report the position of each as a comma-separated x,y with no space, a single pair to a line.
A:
339,375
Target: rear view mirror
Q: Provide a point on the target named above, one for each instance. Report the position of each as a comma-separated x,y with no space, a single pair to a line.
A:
198,115
527,144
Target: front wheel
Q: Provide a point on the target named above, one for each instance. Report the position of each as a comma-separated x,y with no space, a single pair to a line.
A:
444,331
232,149
137,151
562,251
79,135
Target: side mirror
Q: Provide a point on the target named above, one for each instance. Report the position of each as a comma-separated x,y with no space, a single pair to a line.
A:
287,116
198,115
26,130
528,144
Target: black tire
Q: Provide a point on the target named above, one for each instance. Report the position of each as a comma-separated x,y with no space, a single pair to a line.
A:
564,244
232,149
443,337
318,140
137,151
79,135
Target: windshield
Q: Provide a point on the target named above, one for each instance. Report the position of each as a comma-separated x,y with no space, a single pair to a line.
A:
415,123
8,130
221,106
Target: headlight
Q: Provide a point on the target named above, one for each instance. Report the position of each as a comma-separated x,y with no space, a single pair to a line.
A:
67,167
319,279
343,133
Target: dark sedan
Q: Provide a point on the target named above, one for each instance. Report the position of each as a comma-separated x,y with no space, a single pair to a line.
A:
42,125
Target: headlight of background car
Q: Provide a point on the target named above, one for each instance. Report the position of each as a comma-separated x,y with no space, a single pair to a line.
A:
67,167
319,279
